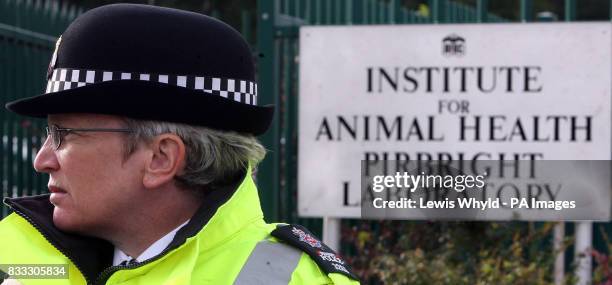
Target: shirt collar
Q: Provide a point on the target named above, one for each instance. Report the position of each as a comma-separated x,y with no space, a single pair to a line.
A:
153,250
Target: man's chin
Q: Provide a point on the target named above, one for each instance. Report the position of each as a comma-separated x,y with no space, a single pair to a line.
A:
64,221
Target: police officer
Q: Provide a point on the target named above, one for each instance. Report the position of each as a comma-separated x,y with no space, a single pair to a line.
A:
152,116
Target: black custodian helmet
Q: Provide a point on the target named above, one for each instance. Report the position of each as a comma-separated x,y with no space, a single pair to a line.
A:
152,63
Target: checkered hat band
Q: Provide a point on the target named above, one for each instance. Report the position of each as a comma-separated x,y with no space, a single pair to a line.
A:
242,91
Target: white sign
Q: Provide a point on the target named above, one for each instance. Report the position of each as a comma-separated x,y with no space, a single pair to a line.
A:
460,92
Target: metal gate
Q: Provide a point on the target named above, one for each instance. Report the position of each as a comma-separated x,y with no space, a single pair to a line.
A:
278,23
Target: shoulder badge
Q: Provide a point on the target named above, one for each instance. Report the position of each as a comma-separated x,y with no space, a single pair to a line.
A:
300,237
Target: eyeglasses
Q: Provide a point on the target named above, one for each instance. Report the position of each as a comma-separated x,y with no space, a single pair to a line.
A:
57,134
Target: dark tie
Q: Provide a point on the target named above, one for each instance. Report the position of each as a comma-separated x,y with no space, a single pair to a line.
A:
127,262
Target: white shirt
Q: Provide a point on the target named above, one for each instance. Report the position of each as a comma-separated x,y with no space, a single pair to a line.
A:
153,250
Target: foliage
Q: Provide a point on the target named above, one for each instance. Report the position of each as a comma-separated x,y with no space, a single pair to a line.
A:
603,270
392,252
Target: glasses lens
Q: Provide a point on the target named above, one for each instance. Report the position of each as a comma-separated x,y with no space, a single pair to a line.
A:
55,137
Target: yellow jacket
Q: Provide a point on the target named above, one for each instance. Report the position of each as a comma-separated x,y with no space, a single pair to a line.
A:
226,242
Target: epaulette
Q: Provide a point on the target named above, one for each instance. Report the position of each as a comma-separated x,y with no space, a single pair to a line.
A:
300,237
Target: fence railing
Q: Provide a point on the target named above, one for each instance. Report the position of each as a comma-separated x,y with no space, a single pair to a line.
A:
278,23
28,31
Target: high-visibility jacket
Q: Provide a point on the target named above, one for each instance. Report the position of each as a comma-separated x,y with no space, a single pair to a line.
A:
226,242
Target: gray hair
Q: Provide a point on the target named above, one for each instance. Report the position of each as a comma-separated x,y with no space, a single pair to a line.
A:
212,158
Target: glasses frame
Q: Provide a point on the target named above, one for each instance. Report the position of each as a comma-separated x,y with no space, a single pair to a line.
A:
57,133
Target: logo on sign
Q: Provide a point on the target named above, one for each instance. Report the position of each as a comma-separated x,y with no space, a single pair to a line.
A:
453,45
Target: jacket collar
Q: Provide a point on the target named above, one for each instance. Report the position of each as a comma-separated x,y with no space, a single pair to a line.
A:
89,255
241,210
224,212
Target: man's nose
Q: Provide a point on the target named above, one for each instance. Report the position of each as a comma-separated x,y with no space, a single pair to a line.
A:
46,160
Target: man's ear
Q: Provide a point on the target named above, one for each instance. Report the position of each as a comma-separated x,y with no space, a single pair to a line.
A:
167,158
